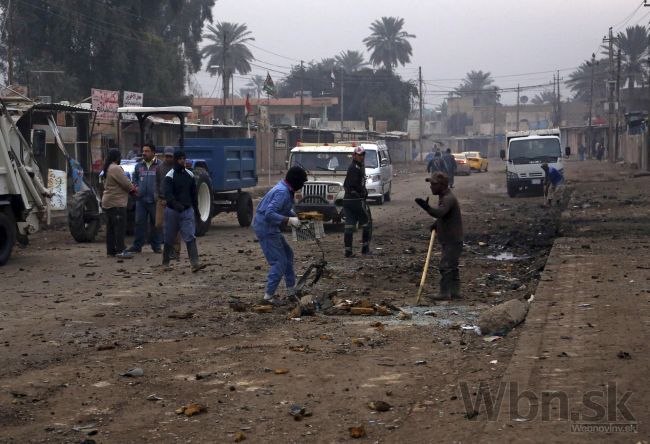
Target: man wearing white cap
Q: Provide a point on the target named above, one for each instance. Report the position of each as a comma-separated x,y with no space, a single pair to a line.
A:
354,203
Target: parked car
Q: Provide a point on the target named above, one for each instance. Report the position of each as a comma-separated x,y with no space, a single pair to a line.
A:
476,161
462,164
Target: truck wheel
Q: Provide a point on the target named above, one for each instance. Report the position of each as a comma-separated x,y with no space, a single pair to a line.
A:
203,212
245,210
387,195
83,217
7,235
512,190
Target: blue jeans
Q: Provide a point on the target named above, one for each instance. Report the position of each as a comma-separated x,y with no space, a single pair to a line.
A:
145,221
279,255
175,222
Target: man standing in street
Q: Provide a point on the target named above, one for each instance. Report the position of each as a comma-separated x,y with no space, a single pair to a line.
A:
165,166
181,199
553,185
355,208
145,180
450,166
449,229
274,211
436,164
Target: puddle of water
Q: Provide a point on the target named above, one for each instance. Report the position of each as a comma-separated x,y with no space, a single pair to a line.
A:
506,256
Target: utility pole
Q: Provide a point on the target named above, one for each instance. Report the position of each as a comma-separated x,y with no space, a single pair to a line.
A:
518,89
302,100
612,154
420,131
341,102
591,63
618,97
559,101
10,44
494,119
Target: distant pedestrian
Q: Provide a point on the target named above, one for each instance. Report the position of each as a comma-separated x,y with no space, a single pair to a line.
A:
436,164
146,180
581,151
274,211
600,155
450,166
181,198
553,184
449,229
114,201
134,153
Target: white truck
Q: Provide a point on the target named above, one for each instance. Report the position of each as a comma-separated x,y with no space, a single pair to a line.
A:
23,196
524,155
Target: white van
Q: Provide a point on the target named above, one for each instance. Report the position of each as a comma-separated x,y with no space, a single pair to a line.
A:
525,154
327,165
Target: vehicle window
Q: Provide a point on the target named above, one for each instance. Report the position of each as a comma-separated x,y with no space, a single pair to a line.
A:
331,161
371,159
543,150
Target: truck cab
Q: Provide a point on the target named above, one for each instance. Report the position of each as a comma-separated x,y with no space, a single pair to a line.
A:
524,155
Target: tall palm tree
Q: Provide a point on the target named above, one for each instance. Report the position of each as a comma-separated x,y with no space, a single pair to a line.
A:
256,84
388,43
634,46
350,61
228,53
580,80
475,82
543,97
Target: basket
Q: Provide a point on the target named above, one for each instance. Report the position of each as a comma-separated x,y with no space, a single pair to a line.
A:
309,230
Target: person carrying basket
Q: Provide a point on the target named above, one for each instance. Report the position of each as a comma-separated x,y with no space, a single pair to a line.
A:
274,211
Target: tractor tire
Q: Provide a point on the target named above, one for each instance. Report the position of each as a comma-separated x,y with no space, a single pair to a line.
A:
7,235
83,217
245,210
203,211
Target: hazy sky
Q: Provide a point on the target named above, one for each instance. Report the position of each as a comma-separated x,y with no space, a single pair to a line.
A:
504,37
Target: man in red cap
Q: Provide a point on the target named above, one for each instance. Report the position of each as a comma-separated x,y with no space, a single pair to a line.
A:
355,208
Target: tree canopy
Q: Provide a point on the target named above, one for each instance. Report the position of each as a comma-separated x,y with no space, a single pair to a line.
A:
136,45
388,43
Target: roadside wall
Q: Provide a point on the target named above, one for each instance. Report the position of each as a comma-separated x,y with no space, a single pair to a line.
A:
634,149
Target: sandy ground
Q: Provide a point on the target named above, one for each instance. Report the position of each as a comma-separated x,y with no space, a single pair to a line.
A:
72,321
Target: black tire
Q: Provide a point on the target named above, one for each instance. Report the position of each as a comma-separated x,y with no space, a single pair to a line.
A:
83,217
7,235
245,210
486,168
387,196
512,190
203,212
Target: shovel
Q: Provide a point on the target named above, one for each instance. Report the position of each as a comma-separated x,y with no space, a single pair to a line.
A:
426,267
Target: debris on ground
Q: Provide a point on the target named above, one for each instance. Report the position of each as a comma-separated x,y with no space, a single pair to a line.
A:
379,406
623,355
363,307
262,308
299,412
191,409
133,373
357,432
240,436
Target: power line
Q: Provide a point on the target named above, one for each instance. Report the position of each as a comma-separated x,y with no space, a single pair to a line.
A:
274,53
629,17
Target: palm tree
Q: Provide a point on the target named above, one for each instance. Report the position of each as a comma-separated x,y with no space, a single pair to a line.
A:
388,43
543,97
228,52
580,80
634,46
256,84
475,83
350,61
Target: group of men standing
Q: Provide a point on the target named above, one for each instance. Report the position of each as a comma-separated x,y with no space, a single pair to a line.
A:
443,163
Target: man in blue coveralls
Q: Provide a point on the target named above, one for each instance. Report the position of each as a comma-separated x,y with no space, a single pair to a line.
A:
553,184
274,211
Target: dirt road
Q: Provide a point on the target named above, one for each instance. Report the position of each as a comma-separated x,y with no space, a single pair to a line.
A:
72,321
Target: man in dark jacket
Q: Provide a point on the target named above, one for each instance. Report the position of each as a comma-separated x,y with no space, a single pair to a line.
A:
449,227
181,198
355,208
450,166
144,178
436,164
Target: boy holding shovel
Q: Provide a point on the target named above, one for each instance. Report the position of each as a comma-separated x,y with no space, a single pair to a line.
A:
449,227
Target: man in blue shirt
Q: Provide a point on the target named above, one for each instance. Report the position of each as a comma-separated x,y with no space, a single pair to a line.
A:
553,184
146,181
274,211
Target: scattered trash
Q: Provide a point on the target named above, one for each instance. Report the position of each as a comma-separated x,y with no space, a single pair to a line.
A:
186,315
623,355
203,375
154,397
420,362
379,406
191,410
491,338
494,361
363,307
262,308
357,432
133,373
240,436
506,256
474,328
238,306
404,316
101,384
502,318
584,305
281,371
430,313
298,412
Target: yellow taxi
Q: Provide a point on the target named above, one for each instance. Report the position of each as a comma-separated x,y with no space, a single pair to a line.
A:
476,161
